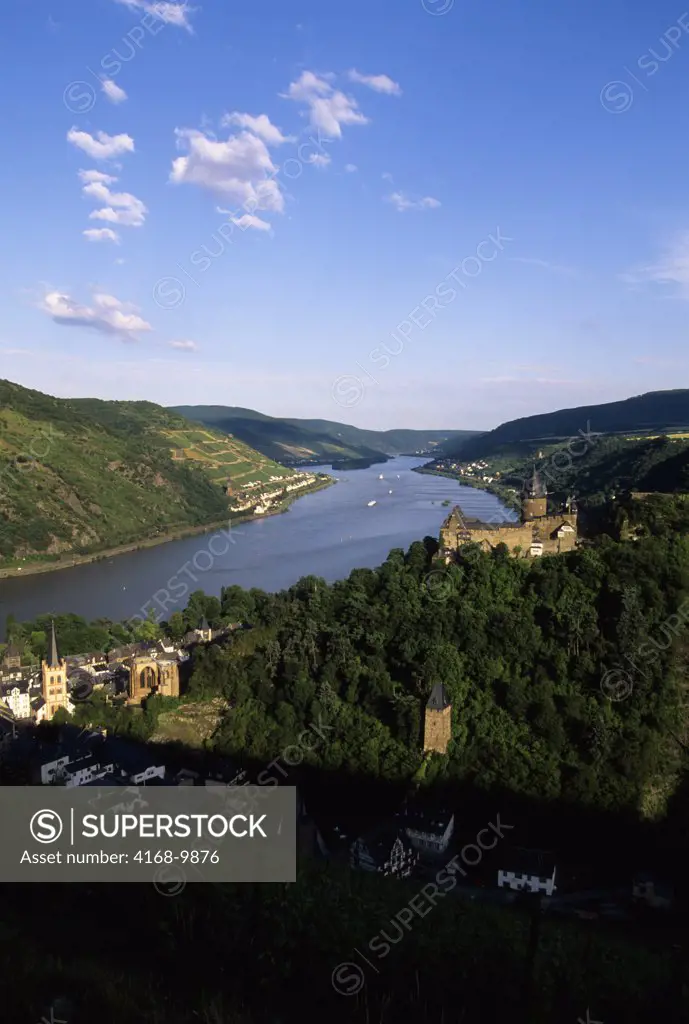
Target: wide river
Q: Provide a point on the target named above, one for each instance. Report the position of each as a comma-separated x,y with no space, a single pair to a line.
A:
327,533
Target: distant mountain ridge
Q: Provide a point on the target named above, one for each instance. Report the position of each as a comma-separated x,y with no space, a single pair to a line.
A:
301,440
79,476
653,412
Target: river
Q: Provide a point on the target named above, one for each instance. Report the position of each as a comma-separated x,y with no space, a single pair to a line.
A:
327,533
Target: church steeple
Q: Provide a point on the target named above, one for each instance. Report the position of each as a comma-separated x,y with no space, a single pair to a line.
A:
53,657
54,679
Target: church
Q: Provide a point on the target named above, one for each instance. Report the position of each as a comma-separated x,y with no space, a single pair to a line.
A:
537,533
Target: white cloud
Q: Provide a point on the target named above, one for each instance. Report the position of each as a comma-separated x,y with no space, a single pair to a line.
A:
101,235
351,168
103,146
671,269
89,176
184,346
168,12
402,203
113,91
14,352
106,314
328,108
320,159
379,83
247,220
240,168
121,207
261,126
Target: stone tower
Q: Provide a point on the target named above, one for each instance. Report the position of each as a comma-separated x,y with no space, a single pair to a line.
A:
534,498
54,679
437,726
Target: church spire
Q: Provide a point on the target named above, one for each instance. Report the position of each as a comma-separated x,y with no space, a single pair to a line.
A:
53,656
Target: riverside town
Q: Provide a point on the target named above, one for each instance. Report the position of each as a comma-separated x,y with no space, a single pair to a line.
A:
344,514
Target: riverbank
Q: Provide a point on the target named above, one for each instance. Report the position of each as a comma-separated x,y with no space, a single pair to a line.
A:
507,495
182,533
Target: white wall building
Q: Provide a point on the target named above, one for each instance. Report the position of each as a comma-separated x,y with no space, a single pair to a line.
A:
18,699
528,871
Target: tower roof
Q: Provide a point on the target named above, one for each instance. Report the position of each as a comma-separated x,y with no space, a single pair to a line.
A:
53,656
204,624
438,699
535,488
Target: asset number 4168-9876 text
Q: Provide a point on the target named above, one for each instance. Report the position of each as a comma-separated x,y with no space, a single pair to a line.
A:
183,857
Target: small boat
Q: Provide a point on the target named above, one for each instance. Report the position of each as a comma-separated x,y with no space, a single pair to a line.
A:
371,503
389,492
380,477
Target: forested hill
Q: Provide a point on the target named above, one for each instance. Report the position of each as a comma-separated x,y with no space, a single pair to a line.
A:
656,412
299,440
80,476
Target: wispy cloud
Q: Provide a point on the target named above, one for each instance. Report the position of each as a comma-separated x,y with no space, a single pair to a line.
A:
184,346
402,203
379,83
102,146
328,108
101,235
672,268
106,314
261,126
113,91
166,10
247,220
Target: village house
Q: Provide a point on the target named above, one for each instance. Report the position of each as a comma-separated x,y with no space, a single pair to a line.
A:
17,698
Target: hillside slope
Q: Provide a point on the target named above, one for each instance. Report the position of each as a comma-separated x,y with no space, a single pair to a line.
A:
655,412
300,440
81,476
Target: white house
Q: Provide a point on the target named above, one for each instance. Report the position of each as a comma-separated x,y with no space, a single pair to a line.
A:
429,831
528,871
18,699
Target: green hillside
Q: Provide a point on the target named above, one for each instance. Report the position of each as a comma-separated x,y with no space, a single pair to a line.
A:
80,476
299,440
656,412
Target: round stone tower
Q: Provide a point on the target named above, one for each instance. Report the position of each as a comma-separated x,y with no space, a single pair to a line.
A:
534,498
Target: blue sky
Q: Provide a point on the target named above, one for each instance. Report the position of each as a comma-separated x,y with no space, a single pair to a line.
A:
436,214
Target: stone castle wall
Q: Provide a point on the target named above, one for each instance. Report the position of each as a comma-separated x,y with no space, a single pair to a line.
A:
455,531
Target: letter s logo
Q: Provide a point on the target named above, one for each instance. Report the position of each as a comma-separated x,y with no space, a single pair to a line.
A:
46,826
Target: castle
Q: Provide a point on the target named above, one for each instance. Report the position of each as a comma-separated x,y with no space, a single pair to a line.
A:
537,533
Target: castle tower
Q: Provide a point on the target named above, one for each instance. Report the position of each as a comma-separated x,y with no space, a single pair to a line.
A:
534,498
437,726
54,679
